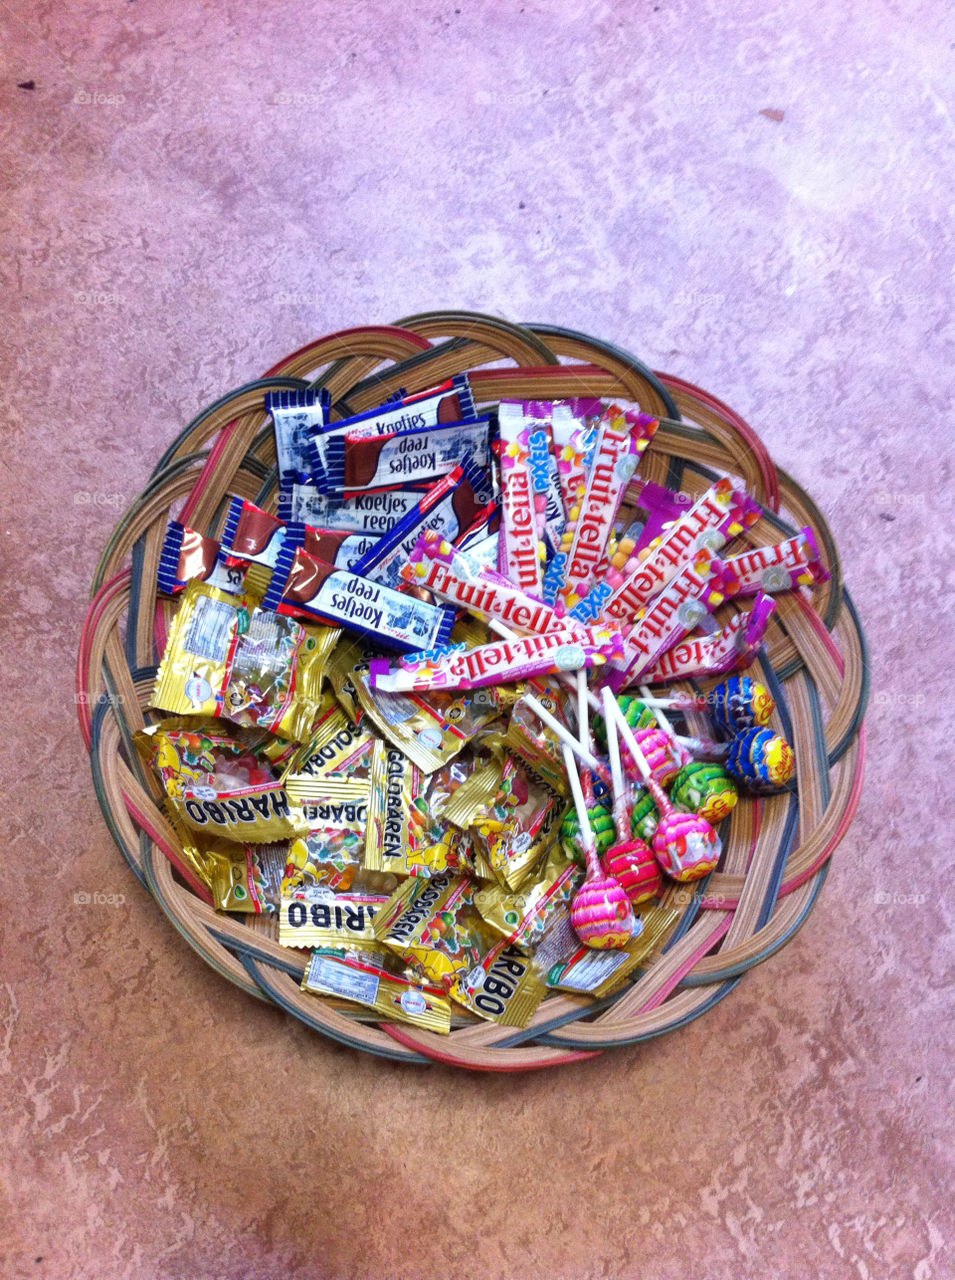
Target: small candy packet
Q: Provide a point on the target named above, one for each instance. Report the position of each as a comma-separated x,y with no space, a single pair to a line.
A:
335,748
369,513
432,924
357,462
517,826
731,649
455,576
246,878
364,977
433,728
524,918
330,856
302,586
529,739
394,786
448,509
322,918
568,966
350,658
195,664
621,441
457,667
780,567
503,987
450,402
295,415
188,556
214,783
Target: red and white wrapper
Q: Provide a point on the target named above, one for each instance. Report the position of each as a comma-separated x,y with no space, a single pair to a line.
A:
456,577
692,595
458,667
621,440
720,514
520,545
781,567
731,649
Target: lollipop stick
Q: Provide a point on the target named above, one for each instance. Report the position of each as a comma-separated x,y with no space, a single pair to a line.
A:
565,677
583,818
564,734
619,787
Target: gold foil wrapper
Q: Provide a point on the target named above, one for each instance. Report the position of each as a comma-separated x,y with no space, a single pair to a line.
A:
362,977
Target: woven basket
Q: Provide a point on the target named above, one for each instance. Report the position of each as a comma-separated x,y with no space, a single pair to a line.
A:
776,849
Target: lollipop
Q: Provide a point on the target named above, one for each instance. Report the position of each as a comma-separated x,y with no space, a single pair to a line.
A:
686,846
630,861
740,703
760,759
601,824
600,911
706,789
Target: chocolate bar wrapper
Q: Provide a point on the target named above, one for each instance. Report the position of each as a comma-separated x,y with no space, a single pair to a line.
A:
450,402
306,587
358,463
448,509
364,978
188,556
368,513
295,415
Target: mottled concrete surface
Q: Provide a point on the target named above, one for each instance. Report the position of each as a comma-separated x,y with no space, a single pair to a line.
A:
758,199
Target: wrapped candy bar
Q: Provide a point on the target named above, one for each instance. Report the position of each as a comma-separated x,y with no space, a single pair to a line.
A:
302,586
718,515
453,575
520,544
780,567
692,595
395,784
574,427
447,510
356,462
364,977
730,649
335,746
620,443
450,402
457,667
295,415
187,556
369,513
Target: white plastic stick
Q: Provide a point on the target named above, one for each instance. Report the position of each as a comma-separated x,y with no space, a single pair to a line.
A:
573,777
613,745
583,720
565,677
632,745
564,734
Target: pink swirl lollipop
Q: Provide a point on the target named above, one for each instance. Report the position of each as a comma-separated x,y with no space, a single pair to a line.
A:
630,861
686,846
600,912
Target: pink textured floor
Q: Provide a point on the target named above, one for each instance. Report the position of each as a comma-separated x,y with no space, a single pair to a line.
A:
755,199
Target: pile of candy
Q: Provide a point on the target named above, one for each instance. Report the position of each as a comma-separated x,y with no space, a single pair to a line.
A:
410,716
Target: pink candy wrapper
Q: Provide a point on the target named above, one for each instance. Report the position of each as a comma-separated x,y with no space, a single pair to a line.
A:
720,514
454,576
574,426
781,567
620,442
457,667
731,649
522,523
693,594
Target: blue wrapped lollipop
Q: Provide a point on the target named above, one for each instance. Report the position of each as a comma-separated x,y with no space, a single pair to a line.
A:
740,703
760,759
